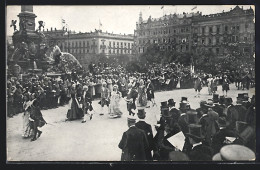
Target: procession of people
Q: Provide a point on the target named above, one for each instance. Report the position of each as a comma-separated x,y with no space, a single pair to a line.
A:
217,123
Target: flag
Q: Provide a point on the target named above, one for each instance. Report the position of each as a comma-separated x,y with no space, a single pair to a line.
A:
162,7
63,21
194,8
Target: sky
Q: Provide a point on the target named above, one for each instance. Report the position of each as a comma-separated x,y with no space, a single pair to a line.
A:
114,19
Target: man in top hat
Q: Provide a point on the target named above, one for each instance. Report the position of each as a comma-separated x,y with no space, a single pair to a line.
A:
184,105
241,110
147,128
134,142
218,139
251,113
175,114
220,106
232,113
199,150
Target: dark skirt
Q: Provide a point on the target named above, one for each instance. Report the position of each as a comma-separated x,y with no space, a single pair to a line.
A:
75,110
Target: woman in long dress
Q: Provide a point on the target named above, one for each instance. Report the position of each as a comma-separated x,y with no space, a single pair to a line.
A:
114,108
142,96
74,109
26,115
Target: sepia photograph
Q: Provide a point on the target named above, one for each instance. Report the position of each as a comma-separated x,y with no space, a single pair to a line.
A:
130,83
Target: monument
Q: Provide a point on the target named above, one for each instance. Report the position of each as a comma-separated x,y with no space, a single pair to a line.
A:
29,45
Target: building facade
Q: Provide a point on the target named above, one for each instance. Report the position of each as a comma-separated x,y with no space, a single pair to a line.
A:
97,42
195,32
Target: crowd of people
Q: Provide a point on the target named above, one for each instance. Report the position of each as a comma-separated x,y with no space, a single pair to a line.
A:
201,127
216,124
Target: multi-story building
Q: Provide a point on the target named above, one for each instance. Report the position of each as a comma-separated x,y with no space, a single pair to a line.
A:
170,32
83,45
195,32
97,42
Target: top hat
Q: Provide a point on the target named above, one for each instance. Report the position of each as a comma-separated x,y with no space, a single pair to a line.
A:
221,99
215,98
184,105
184,99
141,113
229,100
171,102
195,131
178,156
240,96
236,152
164,105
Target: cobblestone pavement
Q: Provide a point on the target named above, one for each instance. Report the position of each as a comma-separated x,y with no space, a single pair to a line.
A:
95,140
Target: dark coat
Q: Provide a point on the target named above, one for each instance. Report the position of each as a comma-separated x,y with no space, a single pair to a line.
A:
150,91
133,145
201,152
219,138
162,145
149,134
241,112
183,123
220,110
175,114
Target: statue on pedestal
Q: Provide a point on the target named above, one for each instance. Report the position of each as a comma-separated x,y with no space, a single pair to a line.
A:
13,24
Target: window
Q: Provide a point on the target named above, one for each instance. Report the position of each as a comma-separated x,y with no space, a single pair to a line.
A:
226,28
103,51
182,30
109,51
218,29
210,29
209,40
187,29
245,38
174,31
203,41
203,30
114,43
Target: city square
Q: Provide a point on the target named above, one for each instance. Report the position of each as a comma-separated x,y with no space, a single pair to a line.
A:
82,84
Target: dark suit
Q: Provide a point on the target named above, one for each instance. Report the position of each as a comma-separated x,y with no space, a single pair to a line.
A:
133,145
219,138
162,145
149,134
201,152
241,112
175,114
220,110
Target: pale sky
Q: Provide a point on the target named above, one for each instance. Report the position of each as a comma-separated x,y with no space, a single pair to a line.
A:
116,19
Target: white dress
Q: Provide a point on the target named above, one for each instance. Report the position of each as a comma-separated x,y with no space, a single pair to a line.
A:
114,107
26,126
